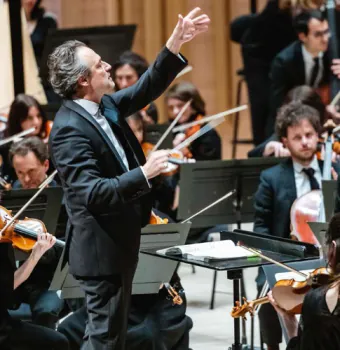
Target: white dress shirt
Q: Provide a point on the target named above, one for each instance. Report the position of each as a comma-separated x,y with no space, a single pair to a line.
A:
302,182
93,109
309,65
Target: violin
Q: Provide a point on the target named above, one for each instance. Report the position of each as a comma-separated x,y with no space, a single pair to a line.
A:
288,293
172,168
157,220
21,233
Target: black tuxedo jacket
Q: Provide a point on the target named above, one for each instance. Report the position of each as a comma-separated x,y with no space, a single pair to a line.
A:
288,71
274,198
107,205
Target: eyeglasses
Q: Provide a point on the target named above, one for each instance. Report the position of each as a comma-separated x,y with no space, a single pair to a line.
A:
320,34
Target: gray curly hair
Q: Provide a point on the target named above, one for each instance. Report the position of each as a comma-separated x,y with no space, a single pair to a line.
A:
65,68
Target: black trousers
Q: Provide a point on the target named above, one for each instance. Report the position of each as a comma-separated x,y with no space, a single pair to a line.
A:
107,304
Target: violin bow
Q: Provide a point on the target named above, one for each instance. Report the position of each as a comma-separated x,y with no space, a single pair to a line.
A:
13,137
174,122
210,205
209,118
258,253
41,188
211,125
335,99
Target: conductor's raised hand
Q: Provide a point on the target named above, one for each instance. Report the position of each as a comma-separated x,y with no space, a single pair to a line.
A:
187,28
156,163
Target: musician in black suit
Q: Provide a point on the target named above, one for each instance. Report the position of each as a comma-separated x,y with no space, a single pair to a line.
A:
104,175
304,62
297,125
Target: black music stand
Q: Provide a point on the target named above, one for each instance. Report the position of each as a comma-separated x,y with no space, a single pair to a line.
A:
150,272
205,181
154,132
329,190
46,207
283,250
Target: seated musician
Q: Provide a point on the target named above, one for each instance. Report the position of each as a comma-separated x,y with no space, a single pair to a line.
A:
207,147
25,113
126,71
297,125
15,334
319,327
273,146
303,62
29,158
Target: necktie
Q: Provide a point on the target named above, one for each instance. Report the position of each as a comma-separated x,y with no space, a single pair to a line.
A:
315,72
314,185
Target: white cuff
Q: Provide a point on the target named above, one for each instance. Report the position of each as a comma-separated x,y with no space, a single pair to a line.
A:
149,184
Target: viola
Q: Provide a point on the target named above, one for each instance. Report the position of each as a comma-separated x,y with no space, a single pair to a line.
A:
22,234
288,293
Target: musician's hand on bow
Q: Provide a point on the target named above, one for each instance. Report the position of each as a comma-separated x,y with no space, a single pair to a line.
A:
187,28
45,241
276,148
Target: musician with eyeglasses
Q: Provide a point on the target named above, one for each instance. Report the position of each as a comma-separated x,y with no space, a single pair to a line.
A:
304,62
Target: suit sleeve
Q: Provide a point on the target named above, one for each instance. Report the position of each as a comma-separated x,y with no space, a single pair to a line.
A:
150,85
259,149
278,90
78,166
264,198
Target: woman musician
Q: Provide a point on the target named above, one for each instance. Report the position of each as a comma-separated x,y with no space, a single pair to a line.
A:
320,319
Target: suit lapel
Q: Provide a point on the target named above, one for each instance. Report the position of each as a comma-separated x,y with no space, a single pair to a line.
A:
288,179
83,113
300,71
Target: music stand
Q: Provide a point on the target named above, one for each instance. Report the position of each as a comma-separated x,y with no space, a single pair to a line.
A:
329,190
109,42
46,207
282,250
150,272
204,182
154,132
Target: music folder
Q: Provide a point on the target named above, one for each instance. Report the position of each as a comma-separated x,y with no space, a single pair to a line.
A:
151,271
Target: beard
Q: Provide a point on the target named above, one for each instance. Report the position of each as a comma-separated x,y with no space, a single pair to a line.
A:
301,156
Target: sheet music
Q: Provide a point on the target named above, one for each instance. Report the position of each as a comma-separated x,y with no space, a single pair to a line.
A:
218,250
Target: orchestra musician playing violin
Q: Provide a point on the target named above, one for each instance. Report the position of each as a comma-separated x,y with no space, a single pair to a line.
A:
206,147
319,327
104,174
15,334
29,158
297,126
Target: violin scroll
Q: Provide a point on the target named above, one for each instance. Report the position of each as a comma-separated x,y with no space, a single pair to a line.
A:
241,310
